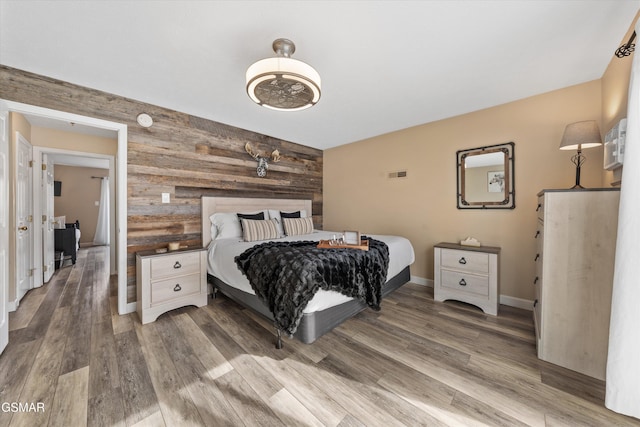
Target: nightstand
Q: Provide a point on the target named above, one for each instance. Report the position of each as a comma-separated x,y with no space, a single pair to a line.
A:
170,280
468,274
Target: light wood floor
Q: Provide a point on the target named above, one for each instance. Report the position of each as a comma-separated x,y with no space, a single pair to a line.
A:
416,362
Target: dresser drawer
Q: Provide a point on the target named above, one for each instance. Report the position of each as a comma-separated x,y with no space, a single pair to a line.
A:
178,287
476,262
468,283
175,264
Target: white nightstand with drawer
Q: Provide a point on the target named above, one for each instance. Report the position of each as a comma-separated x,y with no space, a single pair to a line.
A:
170,280
468,274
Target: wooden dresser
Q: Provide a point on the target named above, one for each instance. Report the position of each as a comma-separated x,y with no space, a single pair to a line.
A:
170,280
468,274
576,243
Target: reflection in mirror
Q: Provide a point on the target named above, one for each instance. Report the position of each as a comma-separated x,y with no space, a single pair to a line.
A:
485,177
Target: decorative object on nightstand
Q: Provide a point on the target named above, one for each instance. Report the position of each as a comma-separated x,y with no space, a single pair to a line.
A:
468,274
470,241
170,280
576,243
577,136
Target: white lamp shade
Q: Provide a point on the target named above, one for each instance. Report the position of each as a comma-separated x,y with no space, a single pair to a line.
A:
581,135
282,83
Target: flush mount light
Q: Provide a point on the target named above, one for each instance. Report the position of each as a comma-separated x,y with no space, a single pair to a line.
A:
144,120
283,83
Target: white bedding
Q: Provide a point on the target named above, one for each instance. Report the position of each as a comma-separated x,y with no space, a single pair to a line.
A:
222,252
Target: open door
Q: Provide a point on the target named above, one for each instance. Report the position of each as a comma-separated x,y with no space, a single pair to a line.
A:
24,217
48,246
4,229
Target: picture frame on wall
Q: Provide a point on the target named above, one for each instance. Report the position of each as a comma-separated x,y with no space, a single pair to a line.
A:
495,182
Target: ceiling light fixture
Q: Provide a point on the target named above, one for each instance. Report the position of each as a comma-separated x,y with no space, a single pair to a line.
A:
144,120
282,83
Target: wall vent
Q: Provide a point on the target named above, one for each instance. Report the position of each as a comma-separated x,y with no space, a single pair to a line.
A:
397,174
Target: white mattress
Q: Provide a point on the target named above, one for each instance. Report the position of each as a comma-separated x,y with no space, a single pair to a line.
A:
222,252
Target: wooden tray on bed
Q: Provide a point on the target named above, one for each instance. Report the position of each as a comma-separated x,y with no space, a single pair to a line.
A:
364,245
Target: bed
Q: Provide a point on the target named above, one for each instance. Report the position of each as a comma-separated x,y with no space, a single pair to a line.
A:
327,309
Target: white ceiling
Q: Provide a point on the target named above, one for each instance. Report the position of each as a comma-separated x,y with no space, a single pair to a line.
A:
385,65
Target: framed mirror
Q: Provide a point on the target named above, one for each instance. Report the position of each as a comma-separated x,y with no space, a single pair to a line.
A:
486,177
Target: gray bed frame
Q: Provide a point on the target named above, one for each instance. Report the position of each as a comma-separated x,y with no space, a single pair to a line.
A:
312,325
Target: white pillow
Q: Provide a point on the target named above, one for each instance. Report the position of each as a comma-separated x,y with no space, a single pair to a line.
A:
227,224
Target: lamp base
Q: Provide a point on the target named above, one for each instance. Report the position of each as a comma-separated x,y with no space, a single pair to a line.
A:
578,160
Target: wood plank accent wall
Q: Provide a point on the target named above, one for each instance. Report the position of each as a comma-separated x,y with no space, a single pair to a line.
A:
180,154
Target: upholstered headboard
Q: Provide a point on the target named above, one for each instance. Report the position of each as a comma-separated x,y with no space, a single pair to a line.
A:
211,205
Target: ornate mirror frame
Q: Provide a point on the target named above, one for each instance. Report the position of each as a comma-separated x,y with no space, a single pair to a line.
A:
507,183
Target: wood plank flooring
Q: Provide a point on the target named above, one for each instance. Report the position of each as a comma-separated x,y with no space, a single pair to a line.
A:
415,362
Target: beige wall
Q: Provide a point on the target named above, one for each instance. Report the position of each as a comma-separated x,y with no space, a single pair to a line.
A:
358,195
78,196
53,138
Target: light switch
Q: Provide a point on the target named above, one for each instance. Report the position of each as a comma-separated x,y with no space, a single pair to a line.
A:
165,198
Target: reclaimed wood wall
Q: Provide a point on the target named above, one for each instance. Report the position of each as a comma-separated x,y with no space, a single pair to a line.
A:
180,154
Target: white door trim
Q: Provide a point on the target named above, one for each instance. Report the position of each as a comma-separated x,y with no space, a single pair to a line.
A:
43,211
121,184
4,228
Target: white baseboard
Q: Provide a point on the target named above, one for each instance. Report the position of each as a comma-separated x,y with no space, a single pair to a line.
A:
422,281
516,302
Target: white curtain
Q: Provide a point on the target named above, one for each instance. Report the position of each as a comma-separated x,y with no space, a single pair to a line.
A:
623,363
102,227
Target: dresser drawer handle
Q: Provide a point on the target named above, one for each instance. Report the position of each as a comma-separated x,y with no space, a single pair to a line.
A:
535,280
462,260
177,288
537,257
537,234
177,265
539,206
462,282
535,303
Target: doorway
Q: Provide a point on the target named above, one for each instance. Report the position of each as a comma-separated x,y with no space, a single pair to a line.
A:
120,183
75,199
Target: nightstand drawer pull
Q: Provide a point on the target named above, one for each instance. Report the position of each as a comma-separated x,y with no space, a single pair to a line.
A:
535,281
537,234
537,257
539,206
177,265
462,260
462,282
177,288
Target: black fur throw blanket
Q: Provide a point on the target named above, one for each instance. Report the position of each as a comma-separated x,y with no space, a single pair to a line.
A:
286,275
